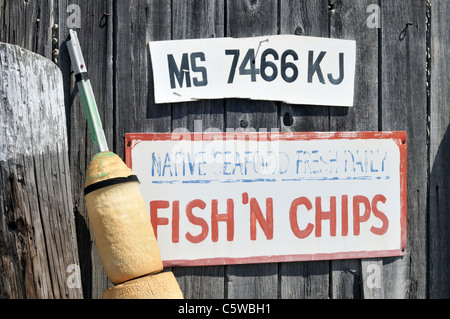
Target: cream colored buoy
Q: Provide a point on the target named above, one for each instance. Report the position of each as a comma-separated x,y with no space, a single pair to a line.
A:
119,219
159,286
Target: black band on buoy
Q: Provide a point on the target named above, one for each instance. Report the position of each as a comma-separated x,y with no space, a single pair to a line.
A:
110,182
81,76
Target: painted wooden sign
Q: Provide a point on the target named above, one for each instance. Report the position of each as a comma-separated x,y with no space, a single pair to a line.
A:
288,68
231,198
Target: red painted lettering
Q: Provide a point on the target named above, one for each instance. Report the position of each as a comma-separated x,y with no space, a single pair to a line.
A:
196,203
155,220
176,222
216,218
265,223
344,215
294,220
197,210
383,229
321,215
357,218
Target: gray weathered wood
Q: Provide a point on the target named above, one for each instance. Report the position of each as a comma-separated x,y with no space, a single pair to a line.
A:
37,226
247,19
348,21
97,48
307,18
195,19
136,23
439,222
28,24
304,280
404,107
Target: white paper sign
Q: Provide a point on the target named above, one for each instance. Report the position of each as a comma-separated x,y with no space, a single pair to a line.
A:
250,197
287,68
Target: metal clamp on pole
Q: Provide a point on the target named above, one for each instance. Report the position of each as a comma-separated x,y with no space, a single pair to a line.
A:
87,95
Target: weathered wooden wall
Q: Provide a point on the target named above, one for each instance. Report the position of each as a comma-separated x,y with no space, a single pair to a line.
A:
402,83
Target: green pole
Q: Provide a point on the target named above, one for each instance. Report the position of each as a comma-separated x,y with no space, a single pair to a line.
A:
86,93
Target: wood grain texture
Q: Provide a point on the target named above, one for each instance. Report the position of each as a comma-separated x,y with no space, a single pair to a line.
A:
136,23
347,19
97,47
308,18
37,226
404,107
439,222
196,19
246,19
28,24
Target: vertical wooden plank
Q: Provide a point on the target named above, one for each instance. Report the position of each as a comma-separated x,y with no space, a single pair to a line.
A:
95,35
308,18
195,19
439,221
404,107
251,18
256,281
348,21
28,24
247,19
136,23
304,280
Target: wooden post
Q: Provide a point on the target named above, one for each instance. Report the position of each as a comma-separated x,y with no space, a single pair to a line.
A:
38,247
439,185
247,19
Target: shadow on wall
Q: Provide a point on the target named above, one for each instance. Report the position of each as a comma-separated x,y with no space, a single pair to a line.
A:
439,225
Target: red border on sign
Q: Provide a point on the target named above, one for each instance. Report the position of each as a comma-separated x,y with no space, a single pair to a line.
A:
399,137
